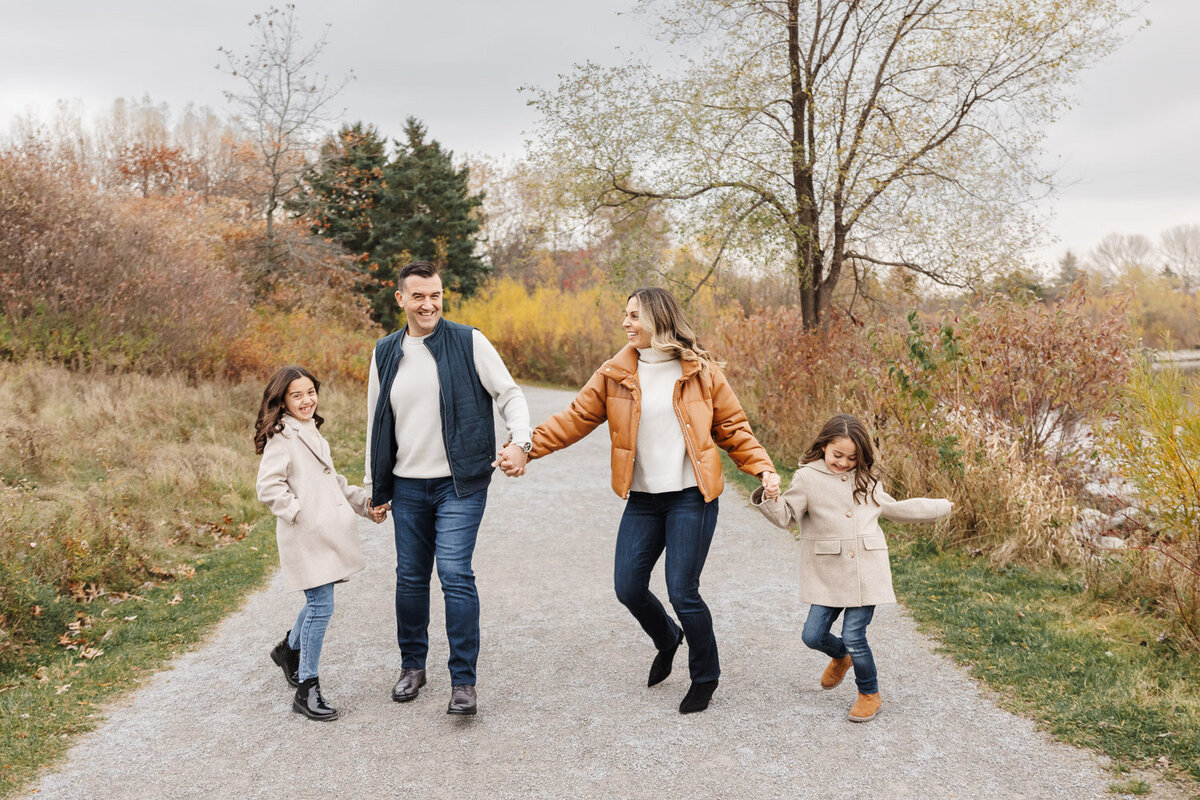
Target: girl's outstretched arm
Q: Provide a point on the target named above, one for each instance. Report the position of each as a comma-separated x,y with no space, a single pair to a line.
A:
916,509
273,488
791,505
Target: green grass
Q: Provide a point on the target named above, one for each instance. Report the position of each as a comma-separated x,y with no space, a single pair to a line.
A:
56,693
1089,673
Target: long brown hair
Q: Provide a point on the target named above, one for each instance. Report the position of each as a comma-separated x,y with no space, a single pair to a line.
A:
865,476
272,409
670,331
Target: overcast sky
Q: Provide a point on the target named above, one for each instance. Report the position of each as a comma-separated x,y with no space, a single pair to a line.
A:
1127,145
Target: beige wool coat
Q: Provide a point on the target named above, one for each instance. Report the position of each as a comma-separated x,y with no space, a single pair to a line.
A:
315,507
843,552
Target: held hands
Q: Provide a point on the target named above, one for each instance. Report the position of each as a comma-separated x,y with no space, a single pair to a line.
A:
378,513
770,482
512,460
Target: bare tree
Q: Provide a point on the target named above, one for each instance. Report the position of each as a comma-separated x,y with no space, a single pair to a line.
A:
835,135
1118,252
283,105
1181,248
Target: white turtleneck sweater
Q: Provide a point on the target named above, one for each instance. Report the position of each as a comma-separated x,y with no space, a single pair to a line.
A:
661,463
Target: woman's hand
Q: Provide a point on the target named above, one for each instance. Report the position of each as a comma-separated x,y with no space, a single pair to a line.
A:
770,482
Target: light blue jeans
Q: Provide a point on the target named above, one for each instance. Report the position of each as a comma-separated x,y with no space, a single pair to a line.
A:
308,634
853,640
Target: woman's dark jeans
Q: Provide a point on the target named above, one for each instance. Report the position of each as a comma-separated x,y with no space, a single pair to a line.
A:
682,524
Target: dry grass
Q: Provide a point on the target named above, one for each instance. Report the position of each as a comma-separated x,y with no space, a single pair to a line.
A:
108,482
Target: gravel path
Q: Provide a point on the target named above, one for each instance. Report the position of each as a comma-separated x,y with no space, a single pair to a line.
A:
564,709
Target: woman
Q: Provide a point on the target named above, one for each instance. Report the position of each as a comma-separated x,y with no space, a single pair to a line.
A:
668,407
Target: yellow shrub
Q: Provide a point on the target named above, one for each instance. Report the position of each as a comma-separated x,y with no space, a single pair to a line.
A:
547,334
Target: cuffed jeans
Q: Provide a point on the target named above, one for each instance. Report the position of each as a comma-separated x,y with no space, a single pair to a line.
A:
853,640
308,634
682,524
435,525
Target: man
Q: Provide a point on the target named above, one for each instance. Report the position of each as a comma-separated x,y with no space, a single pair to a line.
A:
430,451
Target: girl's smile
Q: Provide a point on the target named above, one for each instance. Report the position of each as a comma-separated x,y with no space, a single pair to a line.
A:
301,399
841,455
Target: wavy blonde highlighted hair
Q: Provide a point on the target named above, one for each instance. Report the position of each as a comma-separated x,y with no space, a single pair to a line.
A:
662,317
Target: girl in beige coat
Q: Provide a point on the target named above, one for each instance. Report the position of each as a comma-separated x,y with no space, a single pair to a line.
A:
316,528
836,499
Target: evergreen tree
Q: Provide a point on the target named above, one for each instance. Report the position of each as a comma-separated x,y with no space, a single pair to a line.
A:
425,213
341,192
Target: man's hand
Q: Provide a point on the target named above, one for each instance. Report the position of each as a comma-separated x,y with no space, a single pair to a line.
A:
512,460
770,482
378,513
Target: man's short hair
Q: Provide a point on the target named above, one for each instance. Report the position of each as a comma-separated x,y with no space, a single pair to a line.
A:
422,269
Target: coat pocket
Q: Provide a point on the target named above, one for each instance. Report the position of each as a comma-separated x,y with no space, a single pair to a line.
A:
874,543
827,547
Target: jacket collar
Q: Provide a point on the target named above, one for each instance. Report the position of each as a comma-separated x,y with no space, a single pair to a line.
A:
624,365
307,435
820,466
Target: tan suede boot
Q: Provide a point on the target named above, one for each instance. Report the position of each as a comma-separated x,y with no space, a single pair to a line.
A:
835,672
865,707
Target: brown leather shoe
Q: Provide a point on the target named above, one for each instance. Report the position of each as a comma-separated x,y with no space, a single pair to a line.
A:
865,707
835,672
407,688
462,700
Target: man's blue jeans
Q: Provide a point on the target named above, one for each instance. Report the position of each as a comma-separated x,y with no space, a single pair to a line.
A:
308,634
682,524
433,524
853,640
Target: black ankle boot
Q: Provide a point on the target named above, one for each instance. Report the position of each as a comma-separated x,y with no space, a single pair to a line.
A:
288,660
310,703
661,668
697,697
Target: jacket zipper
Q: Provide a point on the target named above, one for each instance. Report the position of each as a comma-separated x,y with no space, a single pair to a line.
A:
687,441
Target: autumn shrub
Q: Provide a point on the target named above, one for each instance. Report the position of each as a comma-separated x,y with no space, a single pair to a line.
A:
547,334
333,349
1163,313
994,409
93,281
1153,443
791,380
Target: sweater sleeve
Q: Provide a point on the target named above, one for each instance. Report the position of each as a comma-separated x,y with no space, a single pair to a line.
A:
916,509
495,377
272,486
372,396
789,508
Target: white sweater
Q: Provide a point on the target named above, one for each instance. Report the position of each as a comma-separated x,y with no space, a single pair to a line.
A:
661,462
415,399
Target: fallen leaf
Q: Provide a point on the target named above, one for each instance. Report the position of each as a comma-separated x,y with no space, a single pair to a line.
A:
62,688
91,652
176,600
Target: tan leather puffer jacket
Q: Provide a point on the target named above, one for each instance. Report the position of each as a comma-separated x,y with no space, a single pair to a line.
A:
707,409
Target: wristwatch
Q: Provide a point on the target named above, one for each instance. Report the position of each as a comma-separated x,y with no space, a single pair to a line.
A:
525,446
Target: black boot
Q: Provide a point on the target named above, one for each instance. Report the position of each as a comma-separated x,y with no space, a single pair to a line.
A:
310,703
288,660
697,697
661,667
